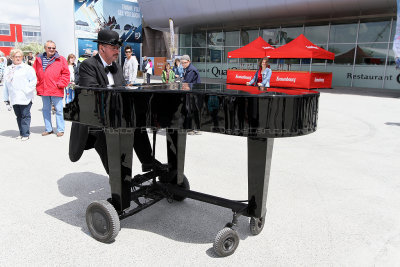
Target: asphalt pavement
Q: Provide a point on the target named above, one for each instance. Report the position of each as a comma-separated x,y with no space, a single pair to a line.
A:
333,196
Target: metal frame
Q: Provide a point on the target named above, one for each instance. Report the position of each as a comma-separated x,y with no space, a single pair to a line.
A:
125,189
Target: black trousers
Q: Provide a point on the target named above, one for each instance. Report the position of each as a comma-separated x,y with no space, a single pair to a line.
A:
141,145
148,77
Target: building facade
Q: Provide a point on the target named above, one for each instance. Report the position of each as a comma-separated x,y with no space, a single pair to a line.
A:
11,34
360,34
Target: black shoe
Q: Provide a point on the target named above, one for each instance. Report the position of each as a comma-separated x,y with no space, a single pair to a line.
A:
146,167
155,165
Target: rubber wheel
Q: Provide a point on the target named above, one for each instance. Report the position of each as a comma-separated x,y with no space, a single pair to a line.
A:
184,185
226,242
103,221
256,225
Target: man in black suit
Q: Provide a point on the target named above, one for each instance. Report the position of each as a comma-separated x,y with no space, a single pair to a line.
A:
101,71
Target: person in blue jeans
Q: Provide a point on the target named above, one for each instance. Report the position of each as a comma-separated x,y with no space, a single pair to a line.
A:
52,77
19,89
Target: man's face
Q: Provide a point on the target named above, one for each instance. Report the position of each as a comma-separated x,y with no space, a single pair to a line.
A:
109,52
128,53
50,49
185,63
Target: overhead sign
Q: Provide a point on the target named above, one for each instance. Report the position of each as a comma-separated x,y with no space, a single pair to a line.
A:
121,16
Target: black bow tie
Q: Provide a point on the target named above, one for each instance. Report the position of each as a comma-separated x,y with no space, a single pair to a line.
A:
111,69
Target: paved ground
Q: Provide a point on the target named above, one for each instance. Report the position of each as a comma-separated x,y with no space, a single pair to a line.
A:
333,196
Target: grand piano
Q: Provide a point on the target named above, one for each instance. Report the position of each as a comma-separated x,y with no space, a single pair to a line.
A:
256,113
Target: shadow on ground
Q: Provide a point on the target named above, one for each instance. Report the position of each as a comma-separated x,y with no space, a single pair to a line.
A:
393,123
187,221
15,133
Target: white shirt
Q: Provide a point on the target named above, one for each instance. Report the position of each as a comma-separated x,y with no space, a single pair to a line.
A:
71,73
149,69
109,75
130,69
19,84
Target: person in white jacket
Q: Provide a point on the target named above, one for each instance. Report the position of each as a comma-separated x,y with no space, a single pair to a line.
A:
19,90
130,66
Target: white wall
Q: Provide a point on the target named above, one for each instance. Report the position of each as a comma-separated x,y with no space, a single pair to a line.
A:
57,23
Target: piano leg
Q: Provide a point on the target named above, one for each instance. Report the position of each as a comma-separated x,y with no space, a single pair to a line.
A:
176,147
119,151
259,166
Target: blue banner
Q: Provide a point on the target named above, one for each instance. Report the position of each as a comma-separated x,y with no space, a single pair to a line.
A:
125,18
86,46
121,16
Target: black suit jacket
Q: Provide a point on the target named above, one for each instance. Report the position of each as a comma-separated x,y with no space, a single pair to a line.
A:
91,73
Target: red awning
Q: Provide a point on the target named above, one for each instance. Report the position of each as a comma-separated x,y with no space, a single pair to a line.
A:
256,49
300,47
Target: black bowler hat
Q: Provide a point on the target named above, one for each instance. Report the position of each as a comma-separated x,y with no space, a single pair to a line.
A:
108,37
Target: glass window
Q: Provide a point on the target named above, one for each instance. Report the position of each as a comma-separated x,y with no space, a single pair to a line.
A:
343,33
393,30
344,53
185,51
215,39
214,55
317,34
185,40
199,39
229,49
232,38
289,34
391,56
271,36
371,54
392,78
374,32
247,36
198,55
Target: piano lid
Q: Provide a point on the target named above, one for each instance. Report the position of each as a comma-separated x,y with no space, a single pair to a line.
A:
219,108
208,88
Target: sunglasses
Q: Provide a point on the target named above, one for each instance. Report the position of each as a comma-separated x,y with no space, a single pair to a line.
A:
51,48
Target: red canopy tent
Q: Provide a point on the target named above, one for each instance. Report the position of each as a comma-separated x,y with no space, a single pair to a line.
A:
256,49
300,47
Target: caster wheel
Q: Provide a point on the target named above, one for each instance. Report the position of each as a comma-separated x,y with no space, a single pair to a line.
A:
226,242
103,221
256,225
184,185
